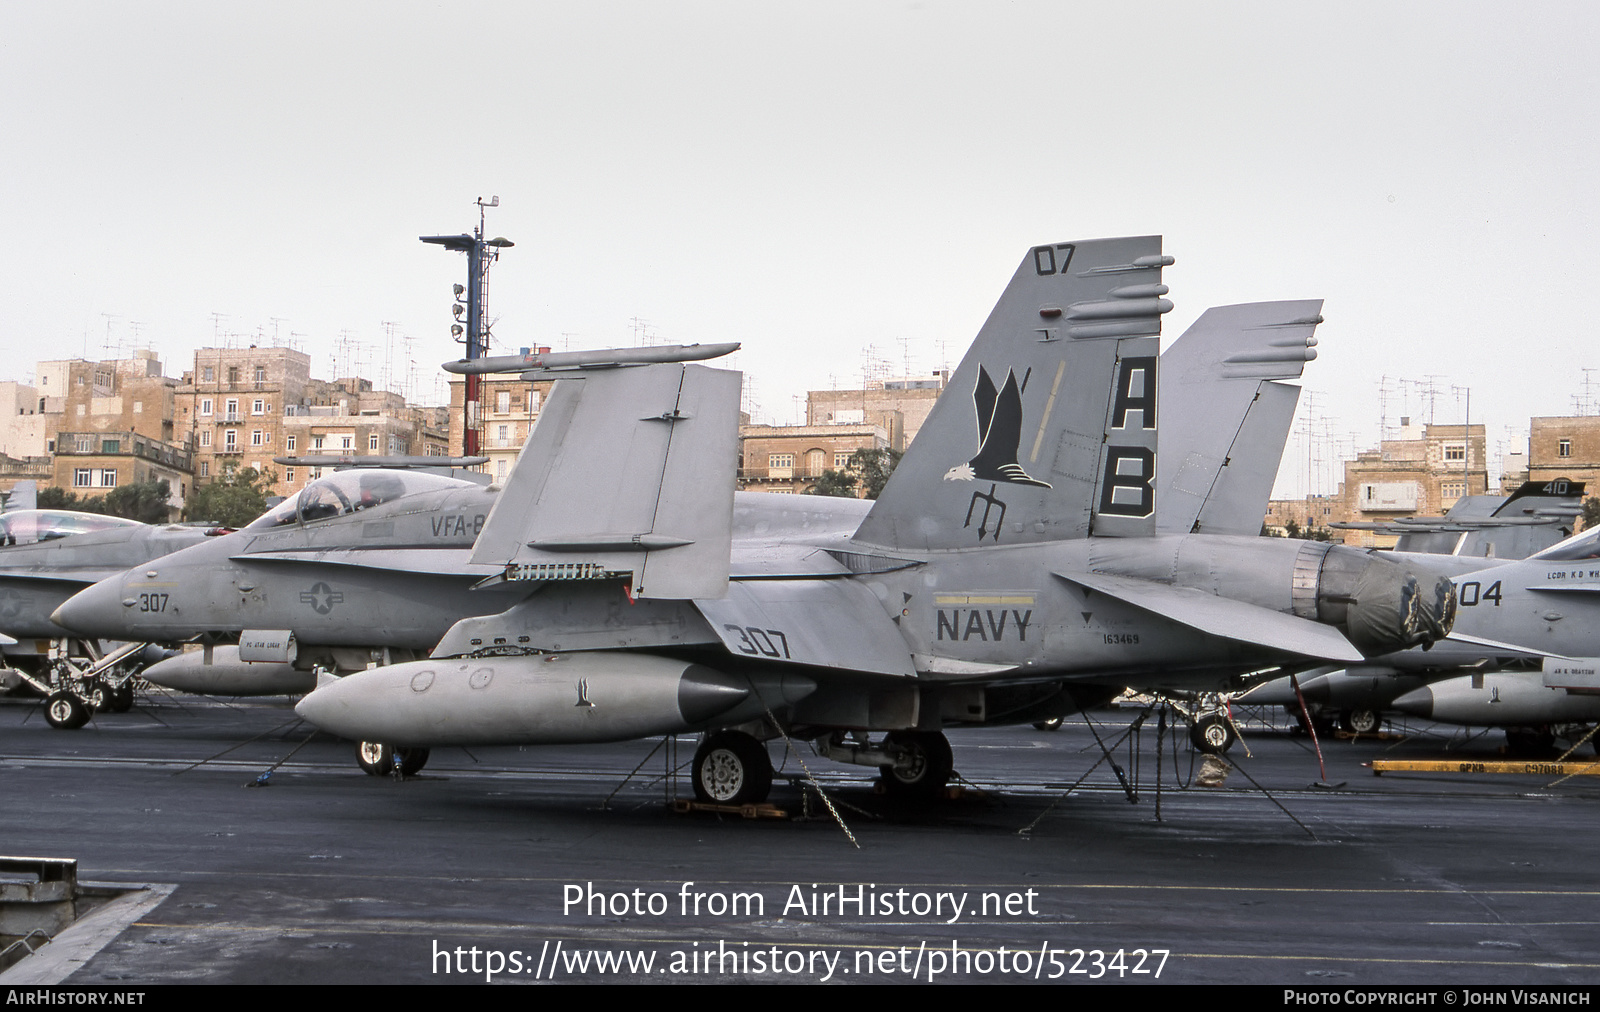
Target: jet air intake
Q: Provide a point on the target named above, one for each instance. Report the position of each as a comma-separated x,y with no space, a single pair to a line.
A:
547,699
1382,605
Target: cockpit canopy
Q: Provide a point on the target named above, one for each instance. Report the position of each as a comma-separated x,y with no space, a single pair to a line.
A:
351,491
27,527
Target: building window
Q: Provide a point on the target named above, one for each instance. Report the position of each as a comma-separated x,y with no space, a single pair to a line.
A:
232,414
1455,453
504,436
233,374
108,477
230,440
110,446
345,442
780,460
258,407
1564,448
205,405
208,375
85,444
372,443
502,402
138,407
316,442
205,469
288,475
205,437
841,461
1452,489
257,437
533,401
261,374
290,443
83,477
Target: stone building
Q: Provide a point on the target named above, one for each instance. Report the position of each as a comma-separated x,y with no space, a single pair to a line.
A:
108,424
1422,473
898,406
507,411
1565,448
790,458
241,407
232,405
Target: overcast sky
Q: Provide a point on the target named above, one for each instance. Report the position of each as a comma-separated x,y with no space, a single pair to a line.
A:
813,179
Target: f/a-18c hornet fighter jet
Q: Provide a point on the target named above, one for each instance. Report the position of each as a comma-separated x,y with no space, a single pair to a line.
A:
46,556
1010,571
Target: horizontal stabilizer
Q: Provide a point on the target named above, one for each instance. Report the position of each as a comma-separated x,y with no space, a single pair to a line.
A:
826,623
628,474
1519,649
1221,616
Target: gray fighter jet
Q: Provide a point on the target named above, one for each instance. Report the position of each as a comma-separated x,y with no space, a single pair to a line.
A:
47,556
1219,383
1010,570
1512,617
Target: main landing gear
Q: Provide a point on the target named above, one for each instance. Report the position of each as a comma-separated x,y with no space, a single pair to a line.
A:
923,766
732,768
380,760
1213,734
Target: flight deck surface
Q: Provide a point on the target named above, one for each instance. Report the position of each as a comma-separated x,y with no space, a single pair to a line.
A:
327,875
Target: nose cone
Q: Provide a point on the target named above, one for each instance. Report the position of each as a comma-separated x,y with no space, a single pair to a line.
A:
342,707
1417,702
96,611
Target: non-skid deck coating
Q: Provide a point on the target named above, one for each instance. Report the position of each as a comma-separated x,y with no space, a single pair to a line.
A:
327,875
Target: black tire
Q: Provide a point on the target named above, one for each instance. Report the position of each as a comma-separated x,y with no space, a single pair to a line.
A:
120,698
932,764
376,758
410,760
1053,724
97,697
1361,720
732,768
1212,734
65,711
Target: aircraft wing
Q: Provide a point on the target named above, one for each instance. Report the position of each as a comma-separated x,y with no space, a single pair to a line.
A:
1221,616
826,623
628,472
1227,416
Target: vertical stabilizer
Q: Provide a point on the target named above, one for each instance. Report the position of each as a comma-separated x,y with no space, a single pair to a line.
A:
1047,429
1228,415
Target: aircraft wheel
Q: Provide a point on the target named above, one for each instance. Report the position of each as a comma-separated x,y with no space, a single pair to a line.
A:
732,768
1361,720
97,697
932,763
410,760
65,711
376,758
1053,724
1212,734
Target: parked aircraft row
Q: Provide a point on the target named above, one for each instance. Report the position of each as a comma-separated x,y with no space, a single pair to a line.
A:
1015,568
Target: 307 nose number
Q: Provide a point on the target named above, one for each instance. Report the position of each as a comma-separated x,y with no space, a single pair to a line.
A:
152,602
